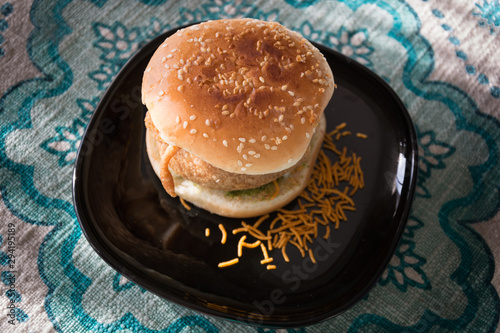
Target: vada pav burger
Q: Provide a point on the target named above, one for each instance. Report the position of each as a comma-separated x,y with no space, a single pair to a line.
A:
235,114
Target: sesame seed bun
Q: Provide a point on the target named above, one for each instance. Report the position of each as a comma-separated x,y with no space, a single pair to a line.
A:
243,95
249,203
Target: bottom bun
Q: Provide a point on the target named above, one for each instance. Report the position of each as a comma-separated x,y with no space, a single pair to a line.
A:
246,203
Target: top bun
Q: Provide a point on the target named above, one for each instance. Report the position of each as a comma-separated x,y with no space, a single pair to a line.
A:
242,94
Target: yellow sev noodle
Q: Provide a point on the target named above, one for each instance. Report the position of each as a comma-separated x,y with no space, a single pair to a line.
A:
327,197
224,234
228,263
185,204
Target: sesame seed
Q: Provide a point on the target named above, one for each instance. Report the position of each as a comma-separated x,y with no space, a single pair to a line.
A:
256,156
180,88
274,148
291,93
281,117
240,163
285,87
169,56
225,113
251,153
252,140
245,157
167,66
180,77
308,135
184,124
240,148
264,138
177,119
267,146
161,93
205,135
248,165
284,137
243,169
242,139
261,79
193,131
207,122
224,142
193,117
224,107
290,161
303,120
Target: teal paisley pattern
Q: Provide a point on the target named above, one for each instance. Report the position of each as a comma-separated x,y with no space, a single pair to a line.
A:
432,155
117,44
78,278
65,144
405,268
353,44
6,9
489,14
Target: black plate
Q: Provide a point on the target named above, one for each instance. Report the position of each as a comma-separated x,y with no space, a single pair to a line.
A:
152,240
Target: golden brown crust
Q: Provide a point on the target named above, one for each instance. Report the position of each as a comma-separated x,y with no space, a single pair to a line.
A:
243,95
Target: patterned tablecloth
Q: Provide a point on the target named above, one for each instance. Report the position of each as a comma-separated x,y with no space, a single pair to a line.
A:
57,57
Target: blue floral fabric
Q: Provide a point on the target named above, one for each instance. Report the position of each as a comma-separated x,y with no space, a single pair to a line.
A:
57,57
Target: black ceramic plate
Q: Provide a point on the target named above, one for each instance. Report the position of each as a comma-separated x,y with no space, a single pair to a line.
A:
152,240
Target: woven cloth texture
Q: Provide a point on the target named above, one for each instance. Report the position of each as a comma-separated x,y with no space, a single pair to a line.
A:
57,57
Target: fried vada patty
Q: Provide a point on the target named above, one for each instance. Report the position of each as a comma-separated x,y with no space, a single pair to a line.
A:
197,170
